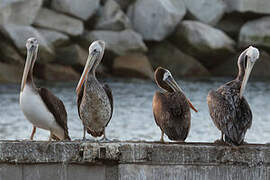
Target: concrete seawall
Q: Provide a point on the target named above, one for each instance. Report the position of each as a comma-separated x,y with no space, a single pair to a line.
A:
25,160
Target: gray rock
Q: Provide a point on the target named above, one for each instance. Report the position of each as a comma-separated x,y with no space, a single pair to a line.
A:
230,68
18,34
9,54
133,65
71,55
112,18
21,12
168,56
156,19
49,19
124,4
207,44
54,38
256,32
82,9
11,72
55,72
206,11
262,6
121,43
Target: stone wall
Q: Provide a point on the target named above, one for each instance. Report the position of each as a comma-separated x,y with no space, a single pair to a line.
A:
190,37
132,160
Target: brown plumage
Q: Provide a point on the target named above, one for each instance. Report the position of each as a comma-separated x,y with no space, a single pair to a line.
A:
94,100
228,109
171,108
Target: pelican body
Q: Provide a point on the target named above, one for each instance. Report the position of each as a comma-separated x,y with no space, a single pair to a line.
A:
94,100
40,107
228,108
171,108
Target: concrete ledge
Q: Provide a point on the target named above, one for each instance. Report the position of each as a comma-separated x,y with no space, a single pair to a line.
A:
132,160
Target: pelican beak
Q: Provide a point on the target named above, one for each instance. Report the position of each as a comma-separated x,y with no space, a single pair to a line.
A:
248,69
173,84
88,65
28,63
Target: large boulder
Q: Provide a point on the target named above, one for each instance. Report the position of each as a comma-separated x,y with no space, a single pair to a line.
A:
207,44
72,55
56,72
112,18
18,35
133,65
206,11
262,6
256,32
82,9
21,12
230,67
156,19
168,56
49,19
11,72
124,4
120,43
54,38
9,53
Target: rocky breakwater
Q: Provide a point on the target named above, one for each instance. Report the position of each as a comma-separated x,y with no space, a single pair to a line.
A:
190,37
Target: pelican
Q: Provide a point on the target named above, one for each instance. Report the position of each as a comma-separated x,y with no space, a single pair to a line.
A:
43,109
94,100
228,108
171,108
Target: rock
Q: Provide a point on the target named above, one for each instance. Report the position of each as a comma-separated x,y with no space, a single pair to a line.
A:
207,44
9,54
49,19
54,38
256,32
71,55
262,6
11,72
133,65
82,9
156,19
206,11
121,43
231,25
19,34
230,68
21,12
124,4
112,18
168,56
55,72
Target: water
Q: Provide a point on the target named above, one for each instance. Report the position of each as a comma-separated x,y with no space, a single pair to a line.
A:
133,118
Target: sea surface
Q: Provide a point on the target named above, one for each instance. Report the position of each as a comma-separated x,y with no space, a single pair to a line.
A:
133,118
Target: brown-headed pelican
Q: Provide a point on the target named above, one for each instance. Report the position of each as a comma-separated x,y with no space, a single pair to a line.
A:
228,108
94,100
171,108
43,109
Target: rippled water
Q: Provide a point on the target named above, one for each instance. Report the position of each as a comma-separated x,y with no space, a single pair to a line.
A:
133,118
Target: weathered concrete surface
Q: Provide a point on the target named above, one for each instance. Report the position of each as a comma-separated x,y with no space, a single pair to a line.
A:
132,160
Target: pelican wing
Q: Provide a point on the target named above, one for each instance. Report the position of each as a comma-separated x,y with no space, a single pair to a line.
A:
56,107
110,96
172,114
230,114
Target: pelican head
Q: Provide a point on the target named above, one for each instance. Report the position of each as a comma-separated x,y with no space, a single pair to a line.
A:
165,81
96,51
32,48
252,55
